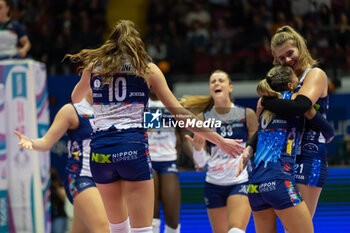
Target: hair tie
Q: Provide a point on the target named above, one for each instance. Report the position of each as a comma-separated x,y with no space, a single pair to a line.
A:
284,29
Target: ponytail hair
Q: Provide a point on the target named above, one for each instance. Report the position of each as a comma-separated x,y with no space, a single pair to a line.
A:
124,42
288,34
197,104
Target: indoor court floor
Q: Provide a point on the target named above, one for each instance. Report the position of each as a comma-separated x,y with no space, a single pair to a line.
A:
332,215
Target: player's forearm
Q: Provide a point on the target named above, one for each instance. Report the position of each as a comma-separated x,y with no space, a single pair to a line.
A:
26,46
41,144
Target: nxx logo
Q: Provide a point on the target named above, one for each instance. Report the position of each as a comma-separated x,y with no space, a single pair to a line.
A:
253,188
100,158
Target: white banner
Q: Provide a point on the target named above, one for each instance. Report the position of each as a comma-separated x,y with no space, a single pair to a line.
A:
43,118
26,208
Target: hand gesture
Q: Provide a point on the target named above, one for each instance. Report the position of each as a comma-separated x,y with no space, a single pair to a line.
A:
231,147
247,154
24,141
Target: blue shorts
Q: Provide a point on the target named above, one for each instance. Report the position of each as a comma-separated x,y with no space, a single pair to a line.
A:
165,167
310,171
215,196
76,184
126,161
276,194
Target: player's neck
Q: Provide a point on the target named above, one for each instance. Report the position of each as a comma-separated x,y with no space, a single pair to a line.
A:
222,106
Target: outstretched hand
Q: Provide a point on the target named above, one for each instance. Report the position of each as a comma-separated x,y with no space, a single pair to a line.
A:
24,141
243,162
232,147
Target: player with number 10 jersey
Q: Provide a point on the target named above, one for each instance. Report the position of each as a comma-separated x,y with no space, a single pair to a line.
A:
119,137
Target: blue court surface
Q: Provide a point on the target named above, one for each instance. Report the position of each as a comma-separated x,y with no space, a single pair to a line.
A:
332,215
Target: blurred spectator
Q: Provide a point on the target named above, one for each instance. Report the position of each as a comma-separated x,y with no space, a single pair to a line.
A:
198,15
325,18
14,43
179,56
61,24
157,12
178,13
87,37
301,7
281,6
156,49
221,37
279,21
198,36
343,32
226,28
342,38
58,51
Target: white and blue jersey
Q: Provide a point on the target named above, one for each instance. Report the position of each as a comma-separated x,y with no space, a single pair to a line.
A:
276,148
119,145
78,174
312,136
162,142
79,141
311,164
119,106
222,168
221,181
10,33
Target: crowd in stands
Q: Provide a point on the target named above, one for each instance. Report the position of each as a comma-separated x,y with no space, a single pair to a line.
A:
57,27
199,36
192,36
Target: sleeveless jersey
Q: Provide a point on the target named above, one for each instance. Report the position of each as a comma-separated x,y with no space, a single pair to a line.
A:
276,148
162,142
311,135
79,141
222,168
119,106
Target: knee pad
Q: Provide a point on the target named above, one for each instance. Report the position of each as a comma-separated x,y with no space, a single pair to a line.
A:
142,230
156,225
119,227
236,230
172,230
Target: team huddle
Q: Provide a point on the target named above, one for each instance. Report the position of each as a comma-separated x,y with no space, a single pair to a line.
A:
271,162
